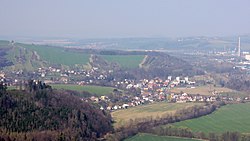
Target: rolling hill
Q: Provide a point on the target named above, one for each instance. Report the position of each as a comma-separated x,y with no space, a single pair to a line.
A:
134,64
18,57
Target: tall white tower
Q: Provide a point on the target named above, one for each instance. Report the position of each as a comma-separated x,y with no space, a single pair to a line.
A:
239,53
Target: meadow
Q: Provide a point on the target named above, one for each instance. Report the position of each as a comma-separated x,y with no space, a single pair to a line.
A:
57,55
98,90
155,110
233,117
4,44
151,137
125,61
203,90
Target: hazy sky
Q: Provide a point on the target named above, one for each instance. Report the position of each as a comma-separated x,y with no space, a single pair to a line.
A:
124,18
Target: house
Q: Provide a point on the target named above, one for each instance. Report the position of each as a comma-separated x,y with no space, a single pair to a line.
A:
125,106
115,107
129,86
177,79
105,98
2,75
64,79
42,74
109,108
93,98
170,78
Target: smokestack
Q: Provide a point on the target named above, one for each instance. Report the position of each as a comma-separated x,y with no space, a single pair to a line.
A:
239,54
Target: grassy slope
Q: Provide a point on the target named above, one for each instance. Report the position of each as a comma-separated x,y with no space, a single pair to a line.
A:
58,55
21,57
4,43
155,110
228,118
150,137
126,61
99,90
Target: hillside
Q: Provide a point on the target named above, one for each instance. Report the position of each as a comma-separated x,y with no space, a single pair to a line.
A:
29,57
42,114
102,64
17,57
157,64
134,64
4,48
57,55
125,61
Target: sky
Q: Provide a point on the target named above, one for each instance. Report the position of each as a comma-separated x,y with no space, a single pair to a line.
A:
123,18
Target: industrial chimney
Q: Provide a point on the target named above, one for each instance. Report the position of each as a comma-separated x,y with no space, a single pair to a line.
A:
239,53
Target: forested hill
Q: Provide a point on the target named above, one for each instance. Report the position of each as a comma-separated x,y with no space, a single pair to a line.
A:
38,113
157,64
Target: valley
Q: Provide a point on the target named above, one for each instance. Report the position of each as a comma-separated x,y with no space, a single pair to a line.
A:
144,91
126,70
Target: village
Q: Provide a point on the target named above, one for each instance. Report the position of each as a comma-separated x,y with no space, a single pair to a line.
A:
127,93
158,90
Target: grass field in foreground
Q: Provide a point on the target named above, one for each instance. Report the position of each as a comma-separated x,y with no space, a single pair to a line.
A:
125,61
151,137
203,90
228,118
155,110
99,90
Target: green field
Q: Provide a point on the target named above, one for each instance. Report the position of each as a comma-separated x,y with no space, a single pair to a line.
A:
151,137
159,109
233,117
4,44
56,55
98,90
125,61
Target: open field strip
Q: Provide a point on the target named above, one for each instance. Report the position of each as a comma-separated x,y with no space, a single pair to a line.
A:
151,137
203,90
155,110
98,90
233,117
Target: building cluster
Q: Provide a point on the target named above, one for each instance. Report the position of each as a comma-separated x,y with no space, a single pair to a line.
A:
240,59
2,76
157,89
154,90
54,75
